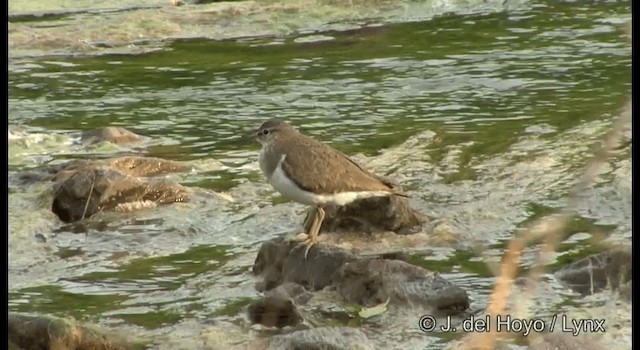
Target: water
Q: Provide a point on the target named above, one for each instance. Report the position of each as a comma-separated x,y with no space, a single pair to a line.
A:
515,99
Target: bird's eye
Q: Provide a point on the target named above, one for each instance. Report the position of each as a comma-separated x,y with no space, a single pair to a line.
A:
265,132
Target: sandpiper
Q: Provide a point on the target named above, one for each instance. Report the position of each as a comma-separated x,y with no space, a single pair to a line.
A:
312,173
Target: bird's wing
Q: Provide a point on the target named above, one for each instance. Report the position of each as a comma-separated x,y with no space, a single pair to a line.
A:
321,169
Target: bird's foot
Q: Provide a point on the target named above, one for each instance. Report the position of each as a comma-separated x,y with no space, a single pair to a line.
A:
305,239
309,242
301,237
298,237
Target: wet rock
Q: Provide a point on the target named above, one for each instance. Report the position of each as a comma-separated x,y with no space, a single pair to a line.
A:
565,342
366,282
280,261
626,291
402,256
47,332
91,189
84,188
323,338
278,307
129,165
41,174
596,272
370,282
290,290
273,311
382,213
115,135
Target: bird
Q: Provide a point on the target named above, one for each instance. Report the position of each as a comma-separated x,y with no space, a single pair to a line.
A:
313,173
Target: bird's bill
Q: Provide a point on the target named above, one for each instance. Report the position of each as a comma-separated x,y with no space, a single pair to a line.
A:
251,136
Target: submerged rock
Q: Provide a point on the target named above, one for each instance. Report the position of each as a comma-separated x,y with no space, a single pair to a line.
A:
364,281
610,269
86,189
290,290
273,311
323,338
48,332
370,282
113,134
278,307
280,261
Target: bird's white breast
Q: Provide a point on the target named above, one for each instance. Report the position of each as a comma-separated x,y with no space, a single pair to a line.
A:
288,188
262,158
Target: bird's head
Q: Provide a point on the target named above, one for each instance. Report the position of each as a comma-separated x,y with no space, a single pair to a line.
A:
271,130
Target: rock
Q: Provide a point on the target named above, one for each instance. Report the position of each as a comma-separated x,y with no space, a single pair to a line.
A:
597,272
91,189
274,312
280,261
278,307
290,290
323,338
382,213
147,166
129,165
84,188
626,291
370,282
113,134
41,174
47,332
402,256
366,282
565,342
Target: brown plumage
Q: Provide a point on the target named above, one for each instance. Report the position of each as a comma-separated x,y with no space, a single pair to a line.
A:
319,168
313,173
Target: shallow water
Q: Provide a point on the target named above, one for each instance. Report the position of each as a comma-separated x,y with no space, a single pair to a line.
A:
486,118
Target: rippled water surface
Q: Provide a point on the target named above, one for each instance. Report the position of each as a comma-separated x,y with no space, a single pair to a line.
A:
515,99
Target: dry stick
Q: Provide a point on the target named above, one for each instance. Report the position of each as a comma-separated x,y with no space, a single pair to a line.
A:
552,235
550,229
86,204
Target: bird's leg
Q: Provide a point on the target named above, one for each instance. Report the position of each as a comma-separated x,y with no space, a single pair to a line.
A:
309,219
312,236
308,223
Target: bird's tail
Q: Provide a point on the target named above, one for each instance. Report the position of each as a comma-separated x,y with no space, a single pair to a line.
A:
400,193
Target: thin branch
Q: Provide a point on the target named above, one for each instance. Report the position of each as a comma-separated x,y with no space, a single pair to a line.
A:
86,204
548,228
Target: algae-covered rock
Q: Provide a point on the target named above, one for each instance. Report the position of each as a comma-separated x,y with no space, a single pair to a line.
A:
53,333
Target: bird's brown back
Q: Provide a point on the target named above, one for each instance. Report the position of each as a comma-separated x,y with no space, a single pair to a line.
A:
318,168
